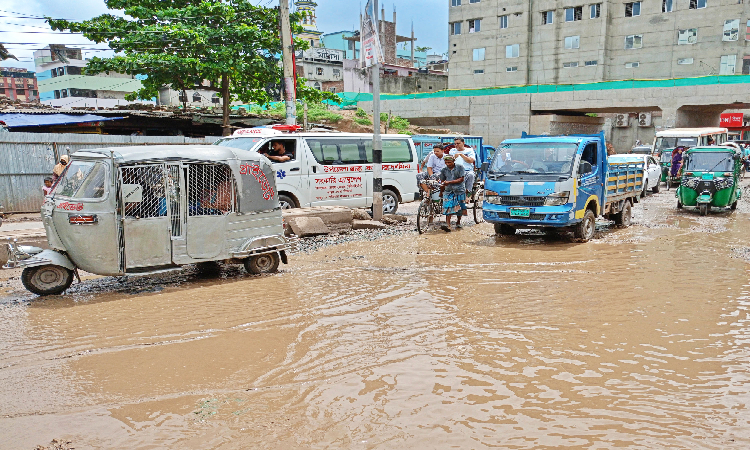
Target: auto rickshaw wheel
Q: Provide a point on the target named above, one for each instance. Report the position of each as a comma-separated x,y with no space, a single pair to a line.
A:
679,204
703,208
47,280
734,206
586,228
266,263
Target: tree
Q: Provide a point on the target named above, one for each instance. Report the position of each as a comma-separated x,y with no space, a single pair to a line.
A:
5,54
423,49
231,44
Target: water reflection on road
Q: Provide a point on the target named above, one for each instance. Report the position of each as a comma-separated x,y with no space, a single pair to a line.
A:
637,339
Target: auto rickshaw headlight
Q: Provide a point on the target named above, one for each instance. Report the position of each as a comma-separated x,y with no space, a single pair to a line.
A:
557,199
727,174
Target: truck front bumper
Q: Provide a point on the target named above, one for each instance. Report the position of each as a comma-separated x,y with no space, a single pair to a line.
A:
540,216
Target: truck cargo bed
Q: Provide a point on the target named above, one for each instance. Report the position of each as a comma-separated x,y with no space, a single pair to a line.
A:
624,180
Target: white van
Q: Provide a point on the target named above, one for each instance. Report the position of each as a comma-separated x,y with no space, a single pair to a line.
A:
335,169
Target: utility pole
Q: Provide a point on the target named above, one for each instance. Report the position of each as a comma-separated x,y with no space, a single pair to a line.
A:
290,87
377,141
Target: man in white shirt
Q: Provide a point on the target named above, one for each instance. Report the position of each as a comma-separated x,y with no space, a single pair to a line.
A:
433,167
466,157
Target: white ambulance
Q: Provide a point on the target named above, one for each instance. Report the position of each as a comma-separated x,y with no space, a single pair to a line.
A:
334,169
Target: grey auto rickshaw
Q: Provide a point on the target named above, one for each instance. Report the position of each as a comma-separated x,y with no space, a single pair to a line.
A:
148,209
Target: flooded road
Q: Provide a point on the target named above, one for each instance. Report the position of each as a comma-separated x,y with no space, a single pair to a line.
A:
638,339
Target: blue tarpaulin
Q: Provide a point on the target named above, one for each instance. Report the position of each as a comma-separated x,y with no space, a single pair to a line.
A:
13,120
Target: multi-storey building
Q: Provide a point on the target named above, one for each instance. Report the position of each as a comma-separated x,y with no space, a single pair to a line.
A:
63,83
18,84
514,42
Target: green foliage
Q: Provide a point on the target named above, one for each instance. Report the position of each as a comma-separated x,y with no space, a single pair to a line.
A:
400,125
383,118
316,112
592,115
362,121
361,113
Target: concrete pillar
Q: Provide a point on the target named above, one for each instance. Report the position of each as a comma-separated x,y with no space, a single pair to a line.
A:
691,116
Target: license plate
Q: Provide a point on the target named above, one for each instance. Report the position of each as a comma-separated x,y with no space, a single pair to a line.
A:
520,212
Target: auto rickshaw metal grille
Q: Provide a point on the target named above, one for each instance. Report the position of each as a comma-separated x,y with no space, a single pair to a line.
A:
210,190
152,179
174,196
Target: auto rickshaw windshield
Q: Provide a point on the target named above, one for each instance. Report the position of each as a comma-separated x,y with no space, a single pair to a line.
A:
709,162
82,179
663,143
666,157
551,158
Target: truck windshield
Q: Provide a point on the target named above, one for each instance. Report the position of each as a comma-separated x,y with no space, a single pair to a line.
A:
240,143
709,162
663,143
553,158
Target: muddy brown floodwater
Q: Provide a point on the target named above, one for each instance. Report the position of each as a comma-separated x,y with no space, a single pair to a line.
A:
638,339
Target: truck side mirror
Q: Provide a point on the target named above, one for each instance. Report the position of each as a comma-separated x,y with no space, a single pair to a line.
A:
485,166
132,193
584,168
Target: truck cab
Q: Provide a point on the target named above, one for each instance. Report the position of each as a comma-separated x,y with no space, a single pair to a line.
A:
546,181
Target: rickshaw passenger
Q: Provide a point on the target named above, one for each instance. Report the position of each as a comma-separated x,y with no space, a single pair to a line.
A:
466,157
676,161
434,165
217,201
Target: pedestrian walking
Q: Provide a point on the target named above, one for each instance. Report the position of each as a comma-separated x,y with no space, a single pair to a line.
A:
453,192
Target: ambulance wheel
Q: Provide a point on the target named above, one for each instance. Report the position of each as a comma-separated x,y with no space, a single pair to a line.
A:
587,227
390,202
504,230
267,263
47,280
286,202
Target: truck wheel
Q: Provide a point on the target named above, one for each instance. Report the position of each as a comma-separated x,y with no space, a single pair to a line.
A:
703,208
504,230
587,227
624,217
390,202
286,202
267,263
47,280
655,189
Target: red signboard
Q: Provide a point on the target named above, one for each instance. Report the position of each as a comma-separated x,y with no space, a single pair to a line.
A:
732,120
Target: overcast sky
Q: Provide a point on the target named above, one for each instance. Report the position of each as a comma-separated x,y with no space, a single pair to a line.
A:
23,34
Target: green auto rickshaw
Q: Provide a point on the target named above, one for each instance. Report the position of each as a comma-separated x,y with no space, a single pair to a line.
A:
665,159
710,178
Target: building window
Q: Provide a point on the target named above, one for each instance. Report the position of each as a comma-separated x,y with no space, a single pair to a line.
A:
319,70
548,17
57,94
684,61
63,93
455,2
479,54
216,98
503,22
20,92
475,26
731,30
2,91
455,28
632,65
570,65
474,1
633,9
511,51
316,85
511,69
697,4
591,63
596,11
727,65
337,73
687,37
667,6
72,70
196,97
478,71
635,41
747,31
572,42
573,14
746,66
182,97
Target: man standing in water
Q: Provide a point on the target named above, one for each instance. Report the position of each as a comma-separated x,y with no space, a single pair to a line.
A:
453,192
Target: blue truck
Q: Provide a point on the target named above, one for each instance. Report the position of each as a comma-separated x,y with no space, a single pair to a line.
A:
424,143
559,182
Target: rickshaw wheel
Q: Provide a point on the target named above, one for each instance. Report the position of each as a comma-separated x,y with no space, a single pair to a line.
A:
267,263
734,206
47,280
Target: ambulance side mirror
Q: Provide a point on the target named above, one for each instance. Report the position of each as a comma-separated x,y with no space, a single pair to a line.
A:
132,193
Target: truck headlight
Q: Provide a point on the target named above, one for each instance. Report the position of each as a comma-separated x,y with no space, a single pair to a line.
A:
557,199
491,196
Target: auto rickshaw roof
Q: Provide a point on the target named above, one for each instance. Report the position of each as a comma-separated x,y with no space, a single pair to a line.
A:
715,149
142,153
552,139
690,132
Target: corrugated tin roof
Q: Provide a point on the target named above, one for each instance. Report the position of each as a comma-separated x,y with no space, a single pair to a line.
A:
13,120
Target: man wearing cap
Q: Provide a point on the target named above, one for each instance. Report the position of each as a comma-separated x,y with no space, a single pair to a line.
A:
452,191
466,158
